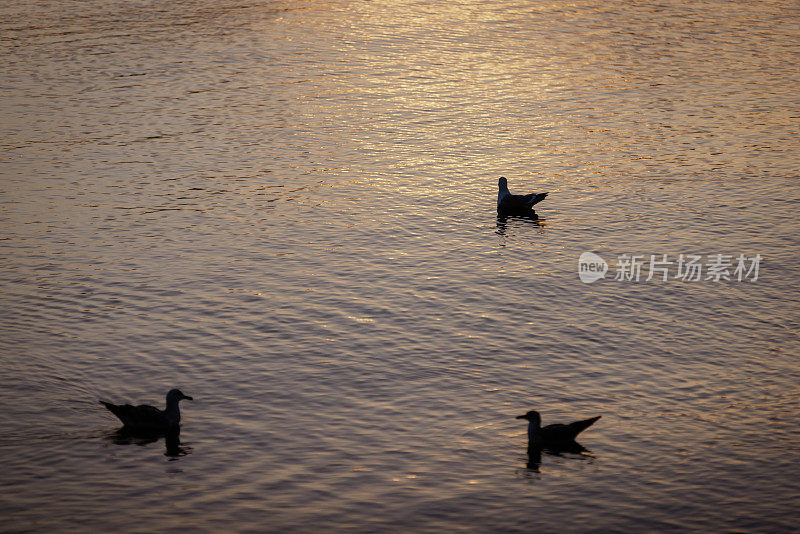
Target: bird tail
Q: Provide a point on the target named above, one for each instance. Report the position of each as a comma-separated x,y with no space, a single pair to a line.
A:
113,408
579,426
537,198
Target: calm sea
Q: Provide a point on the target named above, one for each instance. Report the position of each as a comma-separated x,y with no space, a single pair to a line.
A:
287,209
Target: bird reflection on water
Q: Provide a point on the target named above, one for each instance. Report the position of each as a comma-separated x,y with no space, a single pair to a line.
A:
535,453
172,440
529,217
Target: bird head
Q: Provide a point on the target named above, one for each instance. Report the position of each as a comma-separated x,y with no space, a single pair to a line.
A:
177,395
532,416
502,183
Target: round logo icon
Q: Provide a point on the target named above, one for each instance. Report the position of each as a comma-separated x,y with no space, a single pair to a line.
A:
591,267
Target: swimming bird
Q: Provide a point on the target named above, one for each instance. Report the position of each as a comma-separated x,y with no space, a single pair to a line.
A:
508,203
557,436
144,417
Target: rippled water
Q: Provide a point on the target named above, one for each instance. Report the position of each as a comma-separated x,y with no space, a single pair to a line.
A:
287,210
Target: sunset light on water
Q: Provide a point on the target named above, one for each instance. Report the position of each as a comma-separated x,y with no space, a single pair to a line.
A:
288,211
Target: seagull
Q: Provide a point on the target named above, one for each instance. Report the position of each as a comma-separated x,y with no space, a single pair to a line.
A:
508,203
555,436
144,417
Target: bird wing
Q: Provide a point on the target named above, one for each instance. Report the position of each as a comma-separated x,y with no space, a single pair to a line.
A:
536,198
559,432
517,202
555,432
121,411
579,426
137,416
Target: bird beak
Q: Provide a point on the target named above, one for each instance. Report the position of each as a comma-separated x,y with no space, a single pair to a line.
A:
520,417
187,397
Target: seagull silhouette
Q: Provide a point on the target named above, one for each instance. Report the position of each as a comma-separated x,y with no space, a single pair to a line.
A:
508,203
554,437
150,418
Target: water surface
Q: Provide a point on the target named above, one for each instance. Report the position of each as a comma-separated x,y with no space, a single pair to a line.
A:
287,210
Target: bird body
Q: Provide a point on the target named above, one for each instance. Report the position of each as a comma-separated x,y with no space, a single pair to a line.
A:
556,435
144,417
508,203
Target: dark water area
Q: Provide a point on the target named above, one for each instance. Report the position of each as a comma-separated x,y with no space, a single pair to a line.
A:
288,211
